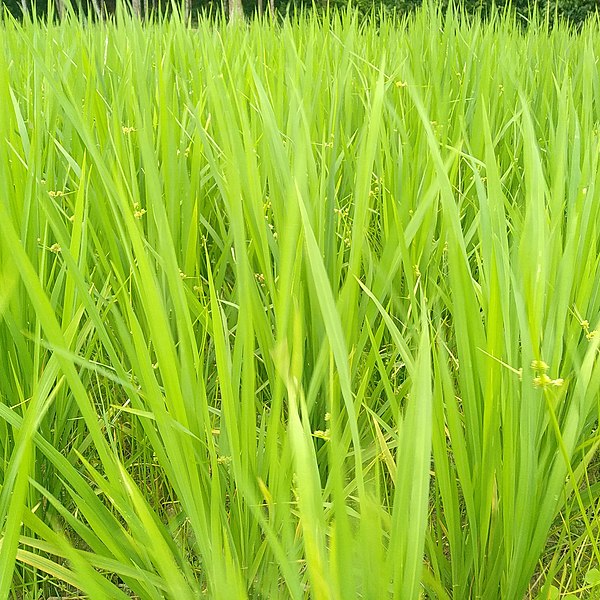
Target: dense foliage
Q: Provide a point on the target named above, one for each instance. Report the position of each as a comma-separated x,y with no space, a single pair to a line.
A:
299,309
574,11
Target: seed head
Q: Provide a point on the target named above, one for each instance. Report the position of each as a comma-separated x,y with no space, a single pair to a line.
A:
539,365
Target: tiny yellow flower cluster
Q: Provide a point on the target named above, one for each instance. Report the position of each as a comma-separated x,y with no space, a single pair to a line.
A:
377,185
344,224
328,144
127,130
138,212
539,365
267,208
55,248
323,435
186,152
56,193
589,334
542,379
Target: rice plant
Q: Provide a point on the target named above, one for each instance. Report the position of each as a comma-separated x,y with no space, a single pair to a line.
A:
306,309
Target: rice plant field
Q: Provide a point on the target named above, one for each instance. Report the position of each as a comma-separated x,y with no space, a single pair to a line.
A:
307,309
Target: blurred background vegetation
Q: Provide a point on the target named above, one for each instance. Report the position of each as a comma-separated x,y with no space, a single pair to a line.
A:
573,11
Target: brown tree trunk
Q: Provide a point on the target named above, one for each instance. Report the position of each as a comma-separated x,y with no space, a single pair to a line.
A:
97,9
236,10
60,9
136,8
187,9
